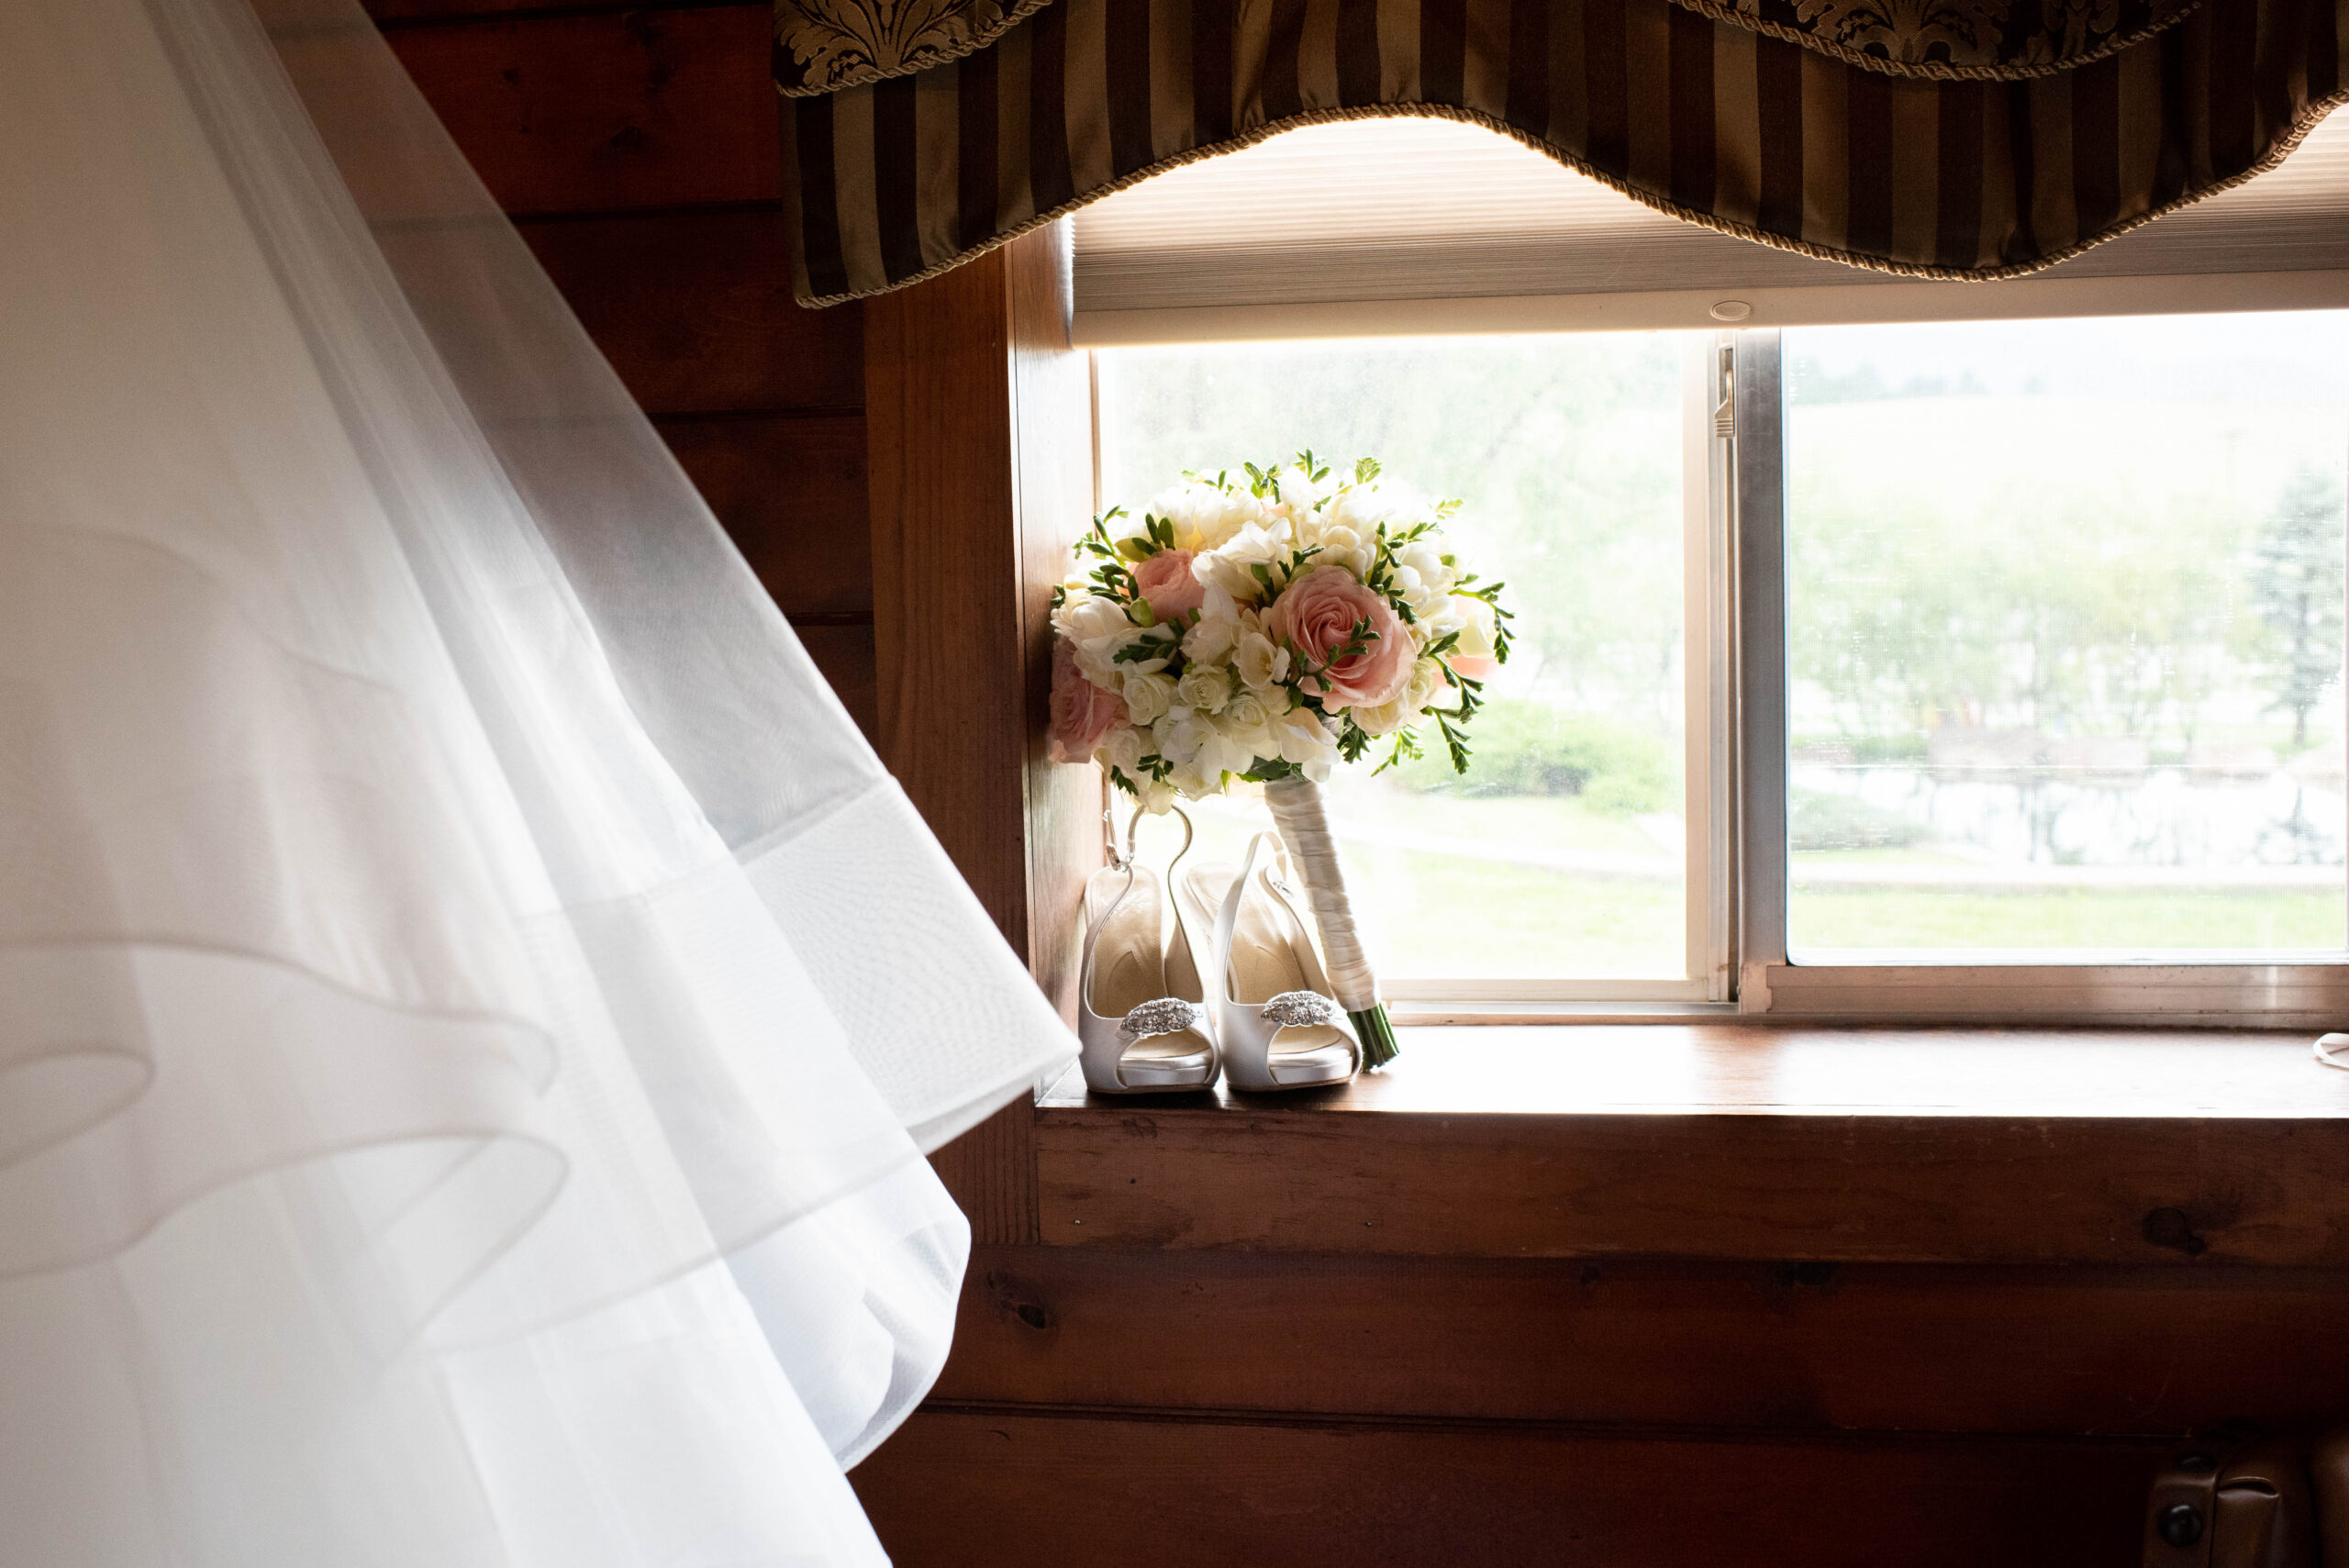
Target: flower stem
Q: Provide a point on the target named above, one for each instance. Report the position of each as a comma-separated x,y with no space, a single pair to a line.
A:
1376,1032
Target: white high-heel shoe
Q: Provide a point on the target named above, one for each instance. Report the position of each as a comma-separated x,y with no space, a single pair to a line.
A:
1141,1029
1275,1022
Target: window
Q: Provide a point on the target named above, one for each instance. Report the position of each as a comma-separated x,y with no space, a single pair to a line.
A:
1872,664
2064,635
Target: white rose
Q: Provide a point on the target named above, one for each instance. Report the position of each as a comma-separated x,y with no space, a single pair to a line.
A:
1205,687
1156,796
1260,660
1248,724
1149,693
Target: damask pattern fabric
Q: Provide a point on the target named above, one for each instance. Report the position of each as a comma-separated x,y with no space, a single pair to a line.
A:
1939,138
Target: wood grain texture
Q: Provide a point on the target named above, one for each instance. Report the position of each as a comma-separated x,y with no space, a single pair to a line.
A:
790,491
953,688
1986,1190
844,654
1053,437
977,1488
1761,1165
695,311
2148,1351
603,113
991,1170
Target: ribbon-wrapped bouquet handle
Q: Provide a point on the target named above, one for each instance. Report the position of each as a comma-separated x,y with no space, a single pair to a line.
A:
1295,805
1264,631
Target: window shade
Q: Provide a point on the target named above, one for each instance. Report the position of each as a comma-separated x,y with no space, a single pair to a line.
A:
1399,225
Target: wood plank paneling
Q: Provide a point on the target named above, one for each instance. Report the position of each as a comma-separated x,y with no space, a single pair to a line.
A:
844,654
946,582
2187,1192
980,1488
991,1170
1855,1347
790,491
695,311
604,112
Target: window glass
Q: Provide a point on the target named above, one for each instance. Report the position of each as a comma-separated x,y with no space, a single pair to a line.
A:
1560,856
2065,622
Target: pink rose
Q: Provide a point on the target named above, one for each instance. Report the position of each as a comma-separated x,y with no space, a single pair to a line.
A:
1167,582
1473,666
1317,615
1082,712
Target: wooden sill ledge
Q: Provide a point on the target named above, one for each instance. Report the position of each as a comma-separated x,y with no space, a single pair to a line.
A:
1738,1141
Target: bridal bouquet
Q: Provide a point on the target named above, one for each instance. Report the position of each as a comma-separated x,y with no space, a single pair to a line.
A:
1264,629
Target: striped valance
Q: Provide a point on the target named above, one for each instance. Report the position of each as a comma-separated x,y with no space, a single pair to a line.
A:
1944,139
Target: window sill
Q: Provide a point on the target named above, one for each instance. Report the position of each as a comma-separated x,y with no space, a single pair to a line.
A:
1738,1140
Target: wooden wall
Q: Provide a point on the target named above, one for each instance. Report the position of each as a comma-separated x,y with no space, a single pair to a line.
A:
636,147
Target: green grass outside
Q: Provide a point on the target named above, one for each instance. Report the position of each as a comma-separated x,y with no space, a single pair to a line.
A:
1924,917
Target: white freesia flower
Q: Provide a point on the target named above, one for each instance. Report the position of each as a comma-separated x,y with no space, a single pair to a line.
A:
1232,567
1204,688
1422,577
1386,717
1180,733
1260,661
1430,686
1122,749
1196,781
1202,515
1340,546
1425,556
1300,492
1085,617
1305,741
1476,625
1156,797
1149,693
1210,641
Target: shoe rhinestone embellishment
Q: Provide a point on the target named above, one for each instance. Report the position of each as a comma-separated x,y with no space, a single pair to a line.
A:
1294,1010
1168,1014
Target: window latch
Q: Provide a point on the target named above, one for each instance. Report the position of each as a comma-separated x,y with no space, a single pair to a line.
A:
1725,389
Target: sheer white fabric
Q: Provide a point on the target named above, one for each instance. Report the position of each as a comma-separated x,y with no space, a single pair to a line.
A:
471,1004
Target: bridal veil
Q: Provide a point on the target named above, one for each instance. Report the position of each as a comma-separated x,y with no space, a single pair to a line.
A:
472,1007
